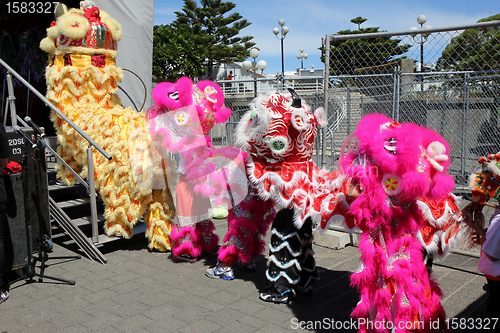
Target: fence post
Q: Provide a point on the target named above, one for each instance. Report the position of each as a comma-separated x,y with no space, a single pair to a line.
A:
326,90
396,76
464,123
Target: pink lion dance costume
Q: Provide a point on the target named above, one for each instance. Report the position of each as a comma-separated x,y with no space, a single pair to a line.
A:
395,164
182,118
278,132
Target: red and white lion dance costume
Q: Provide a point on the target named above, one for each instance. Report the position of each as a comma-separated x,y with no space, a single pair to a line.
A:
278,132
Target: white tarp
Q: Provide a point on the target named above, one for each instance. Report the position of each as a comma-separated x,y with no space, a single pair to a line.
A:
135,49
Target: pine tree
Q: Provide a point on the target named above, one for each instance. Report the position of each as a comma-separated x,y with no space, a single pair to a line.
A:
346,56
215,31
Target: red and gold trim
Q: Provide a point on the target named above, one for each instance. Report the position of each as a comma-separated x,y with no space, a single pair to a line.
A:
81,61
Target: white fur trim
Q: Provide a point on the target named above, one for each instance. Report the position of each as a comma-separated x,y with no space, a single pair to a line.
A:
493,167
73,26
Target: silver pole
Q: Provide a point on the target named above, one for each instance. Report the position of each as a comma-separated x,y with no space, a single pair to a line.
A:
11,99
60,159
93,206
326,91
56,110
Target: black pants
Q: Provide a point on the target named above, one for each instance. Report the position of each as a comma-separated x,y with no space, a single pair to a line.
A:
4,237
291,263
493,304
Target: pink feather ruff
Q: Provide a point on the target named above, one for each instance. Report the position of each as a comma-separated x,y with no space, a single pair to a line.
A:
392,279
185,242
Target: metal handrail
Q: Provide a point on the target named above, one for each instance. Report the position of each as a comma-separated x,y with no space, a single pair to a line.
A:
90,166
55,109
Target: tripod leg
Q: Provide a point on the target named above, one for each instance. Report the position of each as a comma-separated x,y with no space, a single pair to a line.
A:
67,257
43,257
41,277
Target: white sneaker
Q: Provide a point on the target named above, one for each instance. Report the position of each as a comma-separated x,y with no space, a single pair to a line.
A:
3,296
220,272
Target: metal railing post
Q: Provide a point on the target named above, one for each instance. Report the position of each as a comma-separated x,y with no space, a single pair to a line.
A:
11,104
55,109
93,206
395,93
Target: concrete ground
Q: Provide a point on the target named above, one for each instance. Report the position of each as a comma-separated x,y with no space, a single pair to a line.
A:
141,291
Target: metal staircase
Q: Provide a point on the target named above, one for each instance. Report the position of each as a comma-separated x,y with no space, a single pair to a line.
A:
74,232
72,226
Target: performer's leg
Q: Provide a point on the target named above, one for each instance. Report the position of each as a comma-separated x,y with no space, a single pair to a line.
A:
191,210
247,225
4,242
186,244
205,232
428,260
309,273
283,272
493,303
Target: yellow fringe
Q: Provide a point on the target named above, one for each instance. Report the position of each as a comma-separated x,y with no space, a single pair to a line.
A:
88,97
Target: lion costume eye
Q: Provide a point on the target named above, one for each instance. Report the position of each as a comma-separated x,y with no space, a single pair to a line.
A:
181,117
278,145
174,95
390,146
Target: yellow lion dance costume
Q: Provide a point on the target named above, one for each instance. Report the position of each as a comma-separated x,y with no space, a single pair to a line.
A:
82,80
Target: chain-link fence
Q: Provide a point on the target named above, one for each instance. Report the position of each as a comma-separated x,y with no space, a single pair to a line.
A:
447,79
240,93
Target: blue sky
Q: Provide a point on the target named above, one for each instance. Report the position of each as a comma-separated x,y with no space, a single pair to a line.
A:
311,20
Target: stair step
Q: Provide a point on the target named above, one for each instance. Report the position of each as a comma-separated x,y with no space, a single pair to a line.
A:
139,228
86,220
74,202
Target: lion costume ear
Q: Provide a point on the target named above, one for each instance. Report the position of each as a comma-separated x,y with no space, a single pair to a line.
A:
222,113
321,118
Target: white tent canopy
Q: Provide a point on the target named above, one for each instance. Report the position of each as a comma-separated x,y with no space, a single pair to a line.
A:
135,49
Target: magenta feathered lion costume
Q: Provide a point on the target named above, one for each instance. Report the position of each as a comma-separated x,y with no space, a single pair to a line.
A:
395,164
182,117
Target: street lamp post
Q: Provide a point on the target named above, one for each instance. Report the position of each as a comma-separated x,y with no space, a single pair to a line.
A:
421,19
302,56
254,66
282,31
